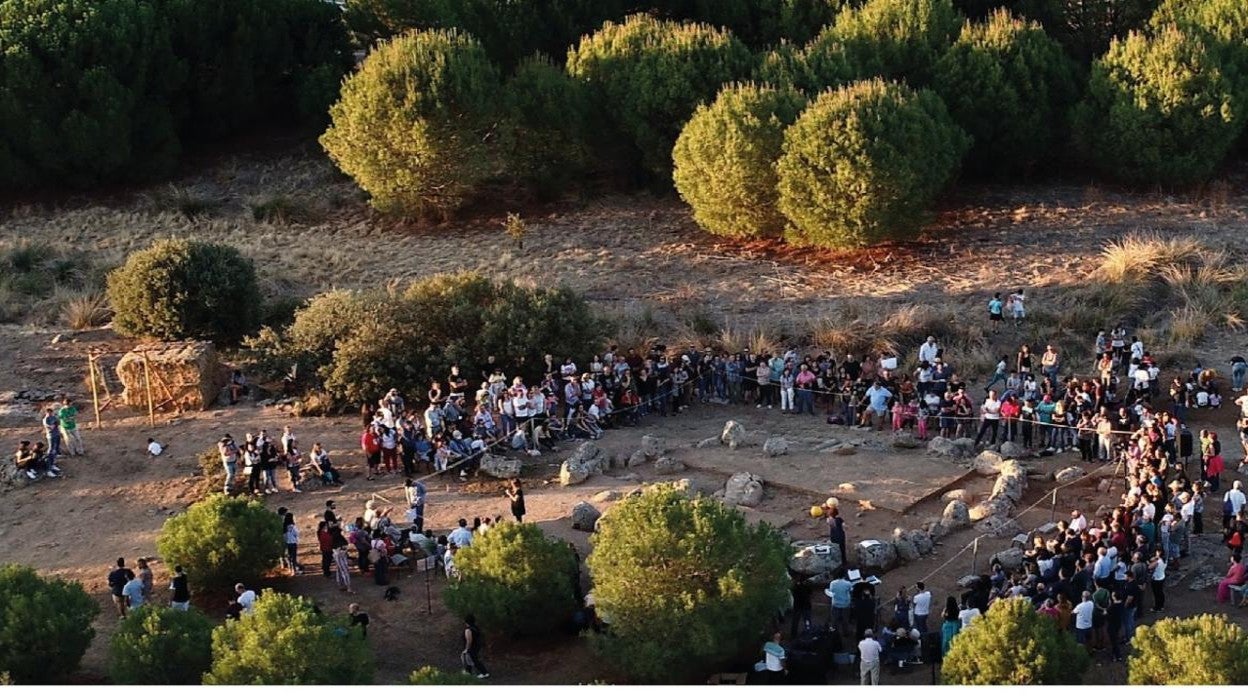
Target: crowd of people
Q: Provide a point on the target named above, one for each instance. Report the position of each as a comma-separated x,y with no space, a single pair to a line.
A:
40,459
1096,577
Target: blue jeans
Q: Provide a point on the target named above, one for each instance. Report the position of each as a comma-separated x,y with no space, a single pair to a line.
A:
230,472
920,623
1238,372
805,401
1128,623
1082,636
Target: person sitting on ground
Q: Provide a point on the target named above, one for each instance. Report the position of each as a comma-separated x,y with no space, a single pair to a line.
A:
238,386
318,458
154,448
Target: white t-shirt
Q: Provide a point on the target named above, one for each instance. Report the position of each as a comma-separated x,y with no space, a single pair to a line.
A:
247,600
1083,615
991,409
923,603
155,449
1237,500
869,651
1159,572
1078,523
968,615
461,537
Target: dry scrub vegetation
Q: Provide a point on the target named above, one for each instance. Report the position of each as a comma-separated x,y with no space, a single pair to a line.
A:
1079,253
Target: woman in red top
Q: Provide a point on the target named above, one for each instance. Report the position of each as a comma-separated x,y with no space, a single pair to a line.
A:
1010,410
370,441
325,541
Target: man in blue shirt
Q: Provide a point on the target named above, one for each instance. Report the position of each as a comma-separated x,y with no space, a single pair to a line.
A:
840,591
877,399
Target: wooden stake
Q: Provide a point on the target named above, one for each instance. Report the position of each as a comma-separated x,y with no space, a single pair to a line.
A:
147,383
95,394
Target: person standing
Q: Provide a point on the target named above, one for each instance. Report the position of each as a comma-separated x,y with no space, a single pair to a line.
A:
995,308
145,578
471,655
290,536
117,580
836,525
181,590
228,451
68,418
52,434
516,494
922,607
1158,569
342,567
869,659
133,593
774,660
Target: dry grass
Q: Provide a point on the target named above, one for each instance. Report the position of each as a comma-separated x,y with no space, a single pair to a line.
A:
1139,256
86,310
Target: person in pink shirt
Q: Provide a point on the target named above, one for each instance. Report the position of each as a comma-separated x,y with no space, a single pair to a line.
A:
805,383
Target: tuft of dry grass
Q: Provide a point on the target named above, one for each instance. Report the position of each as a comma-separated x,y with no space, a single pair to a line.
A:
86,310
1139,256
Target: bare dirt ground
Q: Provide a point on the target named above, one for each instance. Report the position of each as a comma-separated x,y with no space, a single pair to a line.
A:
628,254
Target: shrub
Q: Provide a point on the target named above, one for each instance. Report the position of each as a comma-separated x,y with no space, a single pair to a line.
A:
433,676
725,159
412,124
220,541
1013,645
1201,650
1224,23
547,115
185,289
862,163
84,89
515,580
1159,110
1010,86
360,344
161,645
685,584
892,39
253,60
649,75
45,625
287,641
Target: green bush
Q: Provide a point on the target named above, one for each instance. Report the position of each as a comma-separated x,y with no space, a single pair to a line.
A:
1223,22
1010,87
1013,645
862,164
45,625
413,124
685,584
547,117
360,344
287,641
758,23
84,92
185,289
725,159
649,75
221,541
1159,110
891,39
161,645
515,580
1202,650
433,676
257,60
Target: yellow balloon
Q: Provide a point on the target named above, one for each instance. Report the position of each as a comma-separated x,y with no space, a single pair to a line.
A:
816,512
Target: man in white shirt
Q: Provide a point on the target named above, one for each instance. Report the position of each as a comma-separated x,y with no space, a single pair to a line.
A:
1236,497
1083,619
922,605
1078,521
968,615
928,351
869,660
461,537
990,417
246,598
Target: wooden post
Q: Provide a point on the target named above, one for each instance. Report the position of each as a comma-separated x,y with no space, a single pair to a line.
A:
95,393
147,383
975,557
